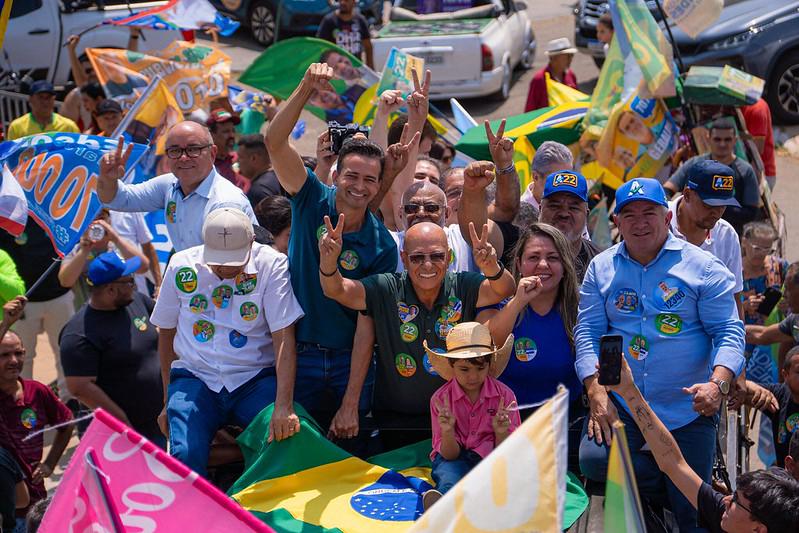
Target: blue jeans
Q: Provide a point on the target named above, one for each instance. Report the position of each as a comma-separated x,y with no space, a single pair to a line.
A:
195,412
447,473
697,442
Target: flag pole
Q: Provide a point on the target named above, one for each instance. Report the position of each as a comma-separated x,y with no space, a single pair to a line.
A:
135,109
41,279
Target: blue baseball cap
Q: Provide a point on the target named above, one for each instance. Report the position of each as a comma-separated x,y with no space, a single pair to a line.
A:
41,86
640,189
566,181
108,267
713,182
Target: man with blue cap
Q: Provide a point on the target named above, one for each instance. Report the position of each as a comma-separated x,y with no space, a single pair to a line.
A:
674,308
42,117
109,349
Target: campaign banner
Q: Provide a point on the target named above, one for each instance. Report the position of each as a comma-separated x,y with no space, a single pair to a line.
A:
58,172
147,489
195,74
179,15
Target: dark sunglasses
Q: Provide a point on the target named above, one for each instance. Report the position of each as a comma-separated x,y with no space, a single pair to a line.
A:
435,257
412,209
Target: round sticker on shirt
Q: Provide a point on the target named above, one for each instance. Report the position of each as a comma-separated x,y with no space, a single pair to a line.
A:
237,340
451,257
669,294
442,328
406,312
525,348
171,211
639,347
186,279
22,240
405,365
349,260
198,303
453,310
221,296
321,230
426,362
248,311
245,283
409,332
668,323
140,323
203,331
625,300
792,423
28,418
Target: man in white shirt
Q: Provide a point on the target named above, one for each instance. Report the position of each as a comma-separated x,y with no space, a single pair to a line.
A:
696,217
133,227
226,313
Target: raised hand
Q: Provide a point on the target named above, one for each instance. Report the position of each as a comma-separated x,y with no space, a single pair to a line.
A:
324,153
501,420
528,289
501,148
112,164
330,245
391,100
418,101
478,175
485,256
72,41
397,154
318,77
12,309
446,420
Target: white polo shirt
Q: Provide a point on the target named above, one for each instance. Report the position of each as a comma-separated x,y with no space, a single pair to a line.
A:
722,241
460,253
224,325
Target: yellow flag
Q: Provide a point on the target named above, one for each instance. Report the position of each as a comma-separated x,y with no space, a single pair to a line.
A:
523,153
559,93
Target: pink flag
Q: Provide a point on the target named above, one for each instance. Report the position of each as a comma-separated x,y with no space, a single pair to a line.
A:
137,481
13,205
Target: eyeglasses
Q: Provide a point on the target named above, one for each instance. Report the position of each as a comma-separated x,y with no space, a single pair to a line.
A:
737,501
435,257
412,209
762,249
193,151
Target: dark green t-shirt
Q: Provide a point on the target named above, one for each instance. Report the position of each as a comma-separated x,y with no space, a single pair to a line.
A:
404,381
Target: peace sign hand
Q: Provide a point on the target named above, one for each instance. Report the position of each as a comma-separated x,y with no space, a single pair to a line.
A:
446,420
112,164
397,154
501,148
501,420
478,175
418,103
485,256
330,245
318,77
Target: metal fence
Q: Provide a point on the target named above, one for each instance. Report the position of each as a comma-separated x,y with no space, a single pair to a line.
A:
13,105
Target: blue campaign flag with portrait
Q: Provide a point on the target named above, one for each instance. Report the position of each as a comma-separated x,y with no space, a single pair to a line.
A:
58,173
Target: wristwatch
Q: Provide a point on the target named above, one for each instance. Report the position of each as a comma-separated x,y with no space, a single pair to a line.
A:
724,386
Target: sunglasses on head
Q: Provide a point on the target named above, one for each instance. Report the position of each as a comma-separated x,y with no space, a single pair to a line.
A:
435,257
412,209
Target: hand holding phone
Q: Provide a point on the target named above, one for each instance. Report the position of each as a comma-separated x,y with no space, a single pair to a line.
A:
770,300
610,347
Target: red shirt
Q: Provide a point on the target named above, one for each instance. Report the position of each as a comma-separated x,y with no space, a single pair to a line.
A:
758,121
224,165
537,96
37,408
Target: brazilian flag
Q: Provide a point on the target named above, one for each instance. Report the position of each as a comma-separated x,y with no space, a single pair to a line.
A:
307,484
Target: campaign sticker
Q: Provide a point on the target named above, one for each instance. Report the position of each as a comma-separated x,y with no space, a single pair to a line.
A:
140,323
406,312
28,418
782,435
237,340
792,423
171,211
625,300
186,279
670,293
525,348
442,328
722,183
409,332
428,366
451,257
198,303
639,348
221,296
405,365
349,260
321,230
453,311
565,179
248,311
245,283
668,323
203,331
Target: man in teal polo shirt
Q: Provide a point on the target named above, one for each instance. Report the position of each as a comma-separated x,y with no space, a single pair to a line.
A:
422,303
326,378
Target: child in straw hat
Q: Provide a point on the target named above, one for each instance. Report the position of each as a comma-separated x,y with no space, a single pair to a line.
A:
473,412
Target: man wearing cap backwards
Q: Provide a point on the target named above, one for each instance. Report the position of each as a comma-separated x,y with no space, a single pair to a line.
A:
109,350
560,53
696,217
187,194
222,125
42,118
226,315
673,306
421,304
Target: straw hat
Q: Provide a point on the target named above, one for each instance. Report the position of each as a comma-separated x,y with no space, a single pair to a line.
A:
560,46
465,341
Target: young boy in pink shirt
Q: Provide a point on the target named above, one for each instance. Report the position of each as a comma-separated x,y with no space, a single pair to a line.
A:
473,412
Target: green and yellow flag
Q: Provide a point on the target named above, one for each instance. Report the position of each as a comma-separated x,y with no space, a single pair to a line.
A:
622,504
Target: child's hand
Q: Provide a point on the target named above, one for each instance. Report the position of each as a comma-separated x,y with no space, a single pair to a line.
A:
446,420
501,421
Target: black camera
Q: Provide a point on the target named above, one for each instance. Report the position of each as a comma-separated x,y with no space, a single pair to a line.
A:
339,133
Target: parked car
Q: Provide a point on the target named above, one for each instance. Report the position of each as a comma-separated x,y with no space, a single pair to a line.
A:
296,16
760,37
470,52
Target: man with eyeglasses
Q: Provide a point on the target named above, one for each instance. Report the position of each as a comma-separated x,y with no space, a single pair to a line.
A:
420,304
187,194
109,349
746,188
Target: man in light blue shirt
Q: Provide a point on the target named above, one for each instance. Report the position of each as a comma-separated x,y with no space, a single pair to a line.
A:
187,195
673,305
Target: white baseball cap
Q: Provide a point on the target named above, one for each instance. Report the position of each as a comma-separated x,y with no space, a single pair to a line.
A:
227,237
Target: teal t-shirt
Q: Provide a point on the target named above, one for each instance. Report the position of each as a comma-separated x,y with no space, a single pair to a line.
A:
371,250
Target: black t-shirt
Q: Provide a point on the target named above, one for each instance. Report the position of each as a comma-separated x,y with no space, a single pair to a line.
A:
264,185
785,421
121,348
33,253
348,34
10,475
709,508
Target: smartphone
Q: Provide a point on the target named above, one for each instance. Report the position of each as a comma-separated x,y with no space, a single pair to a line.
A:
610,359
771,299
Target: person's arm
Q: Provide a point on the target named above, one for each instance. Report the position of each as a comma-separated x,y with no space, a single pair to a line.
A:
166,355
767,334
390,101
133,39
444,429
349,293
12,311
155,266
753,395
22,497
286,162
502,322
72,265
78,73
506,202
396,161
473,208
325,158
125,247
345,423
60,443
492,291
285,422
85,389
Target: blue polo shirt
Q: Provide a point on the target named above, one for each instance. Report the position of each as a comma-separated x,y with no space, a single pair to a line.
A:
677,316
370,250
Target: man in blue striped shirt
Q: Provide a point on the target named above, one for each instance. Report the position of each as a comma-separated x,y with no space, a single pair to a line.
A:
673,305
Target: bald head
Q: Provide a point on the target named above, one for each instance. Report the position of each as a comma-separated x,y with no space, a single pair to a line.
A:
425,188
424,234
191,128
192,169
423,202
